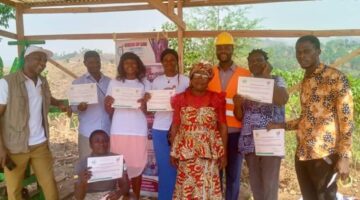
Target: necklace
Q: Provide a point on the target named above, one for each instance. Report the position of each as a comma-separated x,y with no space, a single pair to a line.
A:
169,78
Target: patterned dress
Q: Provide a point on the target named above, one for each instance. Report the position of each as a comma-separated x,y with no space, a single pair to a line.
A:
198,145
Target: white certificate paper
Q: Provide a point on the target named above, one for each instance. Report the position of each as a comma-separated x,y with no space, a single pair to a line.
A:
105,168
269,143
160,100
126,97
87,93
256,89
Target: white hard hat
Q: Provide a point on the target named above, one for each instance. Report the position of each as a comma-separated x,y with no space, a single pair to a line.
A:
32,49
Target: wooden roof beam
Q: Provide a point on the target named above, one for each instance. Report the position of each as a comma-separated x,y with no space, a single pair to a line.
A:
87,9
8,2
100,36
199,34
8,34
189,3
164,10
274,33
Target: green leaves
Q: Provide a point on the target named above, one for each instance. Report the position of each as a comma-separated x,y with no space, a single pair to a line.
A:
213,18
6,13
1,68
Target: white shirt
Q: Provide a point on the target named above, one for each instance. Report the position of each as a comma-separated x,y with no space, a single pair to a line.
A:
37,133
163,119
94,117
127,121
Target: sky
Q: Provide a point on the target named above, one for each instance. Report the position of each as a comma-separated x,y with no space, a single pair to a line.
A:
325,14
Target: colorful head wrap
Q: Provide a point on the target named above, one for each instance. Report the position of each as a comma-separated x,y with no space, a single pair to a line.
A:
205,68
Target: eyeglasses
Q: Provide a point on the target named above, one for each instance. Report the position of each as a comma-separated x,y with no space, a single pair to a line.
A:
200,76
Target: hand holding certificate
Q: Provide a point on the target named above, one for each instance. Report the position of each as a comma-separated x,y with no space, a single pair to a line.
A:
79,93
105,168
269,143
126,97
256,89
160,100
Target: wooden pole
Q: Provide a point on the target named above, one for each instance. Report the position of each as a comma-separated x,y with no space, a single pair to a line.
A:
8,34
62,68
180,37
20,28
101,9
8,2
200,34
159,5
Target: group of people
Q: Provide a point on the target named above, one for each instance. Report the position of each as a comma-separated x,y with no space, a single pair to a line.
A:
201,144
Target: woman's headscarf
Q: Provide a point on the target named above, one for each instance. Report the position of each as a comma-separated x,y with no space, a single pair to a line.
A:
205,68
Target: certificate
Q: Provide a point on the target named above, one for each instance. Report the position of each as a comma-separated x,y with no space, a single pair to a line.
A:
126,97
87,93
105,168
160,100
269,143
256,89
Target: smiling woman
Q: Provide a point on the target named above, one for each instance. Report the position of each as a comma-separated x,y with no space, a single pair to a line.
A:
199,138
129,126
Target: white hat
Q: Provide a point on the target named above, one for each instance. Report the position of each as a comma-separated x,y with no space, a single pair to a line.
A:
32,49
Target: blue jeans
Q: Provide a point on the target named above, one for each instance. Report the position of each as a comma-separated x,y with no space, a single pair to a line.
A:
233,168
167,173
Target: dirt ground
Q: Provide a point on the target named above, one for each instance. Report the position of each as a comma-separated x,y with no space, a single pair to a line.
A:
64,140
64,147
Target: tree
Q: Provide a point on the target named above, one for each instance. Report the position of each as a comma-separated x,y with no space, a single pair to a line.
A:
6,13
337,48
213,18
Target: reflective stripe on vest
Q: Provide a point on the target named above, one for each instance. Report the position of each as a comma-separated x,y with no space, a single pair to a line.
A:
231,88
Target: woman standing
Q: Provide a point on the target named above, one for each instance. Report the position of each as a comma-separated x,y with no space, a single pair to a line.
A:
199,135
171,80
263,170
128,134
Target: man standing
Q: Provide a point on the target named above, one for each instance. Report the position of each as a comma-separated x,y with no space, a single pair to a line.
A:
325,126
92,116
24,104
225,79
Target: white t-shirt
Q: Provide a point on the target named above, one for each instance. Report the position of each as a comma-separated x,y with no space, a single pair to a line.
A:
163,119
127,121
37,133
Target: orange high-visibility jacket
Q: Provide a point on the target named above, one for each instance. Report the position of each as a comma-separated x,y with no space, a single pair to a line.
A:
231,89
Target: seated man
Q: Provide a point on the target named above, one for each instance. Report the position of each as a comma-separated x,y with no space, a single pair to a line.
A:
110,189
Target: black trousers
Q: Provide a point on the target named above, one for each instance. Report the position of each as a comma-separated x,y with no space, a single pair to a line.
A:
314,176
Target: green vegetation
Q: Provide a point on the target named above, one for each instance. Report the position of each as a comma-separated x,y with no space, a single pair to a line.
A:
281,54
213,18
6,13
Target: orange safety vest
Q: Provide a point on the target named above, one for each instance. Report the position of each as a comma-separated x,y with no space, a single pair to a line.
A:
231,90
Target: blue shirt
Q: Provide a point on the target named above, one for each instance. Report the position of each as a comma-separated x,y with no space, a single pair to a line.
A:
94,117
257,116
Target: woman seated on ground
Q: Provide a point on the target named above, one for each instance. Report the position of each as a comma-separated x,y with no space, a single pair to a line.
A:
263,170
199,135
102,190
